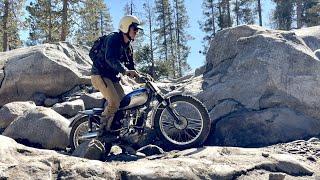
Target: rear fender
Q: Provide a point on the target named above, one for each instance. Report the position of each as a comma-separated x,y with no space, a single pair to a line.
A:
80,116
77,118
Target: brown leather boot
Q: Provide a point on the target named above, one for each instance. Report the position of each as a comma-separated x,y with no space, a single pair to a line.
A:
105,133
104,120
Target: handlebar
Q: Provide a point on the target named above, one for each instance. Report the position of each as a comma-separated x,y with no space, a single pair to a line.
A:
145,78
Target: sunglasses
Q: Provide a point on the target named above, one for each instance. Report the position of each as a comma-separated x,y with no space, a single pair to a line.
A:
135,28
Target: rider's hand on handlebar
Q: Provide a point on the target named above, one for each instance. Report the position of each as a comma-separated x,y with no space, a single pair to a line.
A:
146,77
132,73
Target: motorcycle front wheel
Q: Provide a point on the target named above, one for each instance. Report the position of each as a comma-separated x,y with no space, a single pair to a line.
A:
193,126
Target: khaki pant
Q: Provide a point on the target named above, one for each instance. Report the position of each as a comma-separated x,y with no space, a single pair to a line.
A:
112,92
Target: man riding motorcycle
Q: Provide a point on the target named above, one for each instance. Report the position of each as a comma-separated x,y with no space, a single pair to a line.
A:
118,59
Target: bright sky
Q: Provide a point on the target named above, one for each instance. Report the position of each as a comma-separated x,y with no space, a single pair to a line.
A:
194,10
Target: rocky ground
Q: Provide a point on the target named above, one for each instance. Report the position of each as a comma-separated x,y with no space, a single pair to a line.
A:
274,162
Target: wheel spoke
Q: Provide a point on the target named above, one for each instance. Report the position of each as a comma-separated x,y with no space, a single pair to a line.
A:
189,136
185,136
167,124
195,132
179,136
194,127
194,120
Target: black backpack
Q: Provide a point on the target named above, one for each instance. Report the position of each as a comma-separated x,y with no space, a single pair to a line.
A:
98,50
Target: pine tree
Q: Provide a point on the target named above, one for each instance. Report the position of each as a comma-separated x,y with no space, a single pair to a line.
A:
181,36
172,42
311,12
244,11
64,24
283,14
208,25
143,57
51,20
171,35
149,16
95,21
127,9
67,11
161,7
224,18
43,22
11,24
237,12
299,13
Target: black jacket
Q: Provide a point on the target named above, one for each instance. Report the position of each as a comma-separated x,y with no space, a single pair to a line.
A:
118,58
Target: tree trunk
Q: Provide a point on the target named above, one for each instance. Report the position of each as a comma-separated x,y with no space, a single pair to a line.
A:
4,26
164,30
237,12
151,41
259,12
173,63
64,21
178,38
49,39
213,23
220,17
299,13
229,15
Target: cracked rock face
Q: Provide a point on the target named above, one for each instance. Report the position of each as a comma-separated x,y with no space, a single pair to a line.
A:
264,86
51,69
21,162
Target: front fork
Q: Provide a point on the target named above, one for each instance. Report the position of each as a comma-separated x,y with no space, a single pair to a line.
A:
166,103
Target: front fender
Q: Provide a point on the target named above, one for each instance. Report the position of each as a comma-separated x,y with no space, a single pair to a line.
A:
173,93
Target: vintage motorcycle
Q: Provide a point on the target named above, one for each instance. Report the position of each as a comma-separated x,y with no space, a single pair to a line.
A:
180,121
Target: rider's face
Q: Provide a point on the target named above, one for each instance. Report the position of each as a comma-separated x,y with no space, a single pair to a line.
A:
133,31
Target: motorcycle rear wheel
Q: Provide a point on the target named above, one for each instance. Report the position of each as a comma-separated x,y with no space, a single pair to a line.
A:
80,128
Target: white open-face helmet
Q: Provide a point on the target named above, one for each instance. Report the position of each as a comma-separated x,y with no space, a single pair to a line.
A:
128,21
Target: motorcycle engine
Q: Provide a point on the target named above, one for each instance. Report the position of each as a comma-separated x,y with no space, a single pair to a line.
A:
130,132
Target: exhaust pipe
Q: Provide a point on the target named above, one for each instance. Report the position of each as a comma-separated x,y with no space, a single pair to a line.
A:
89,135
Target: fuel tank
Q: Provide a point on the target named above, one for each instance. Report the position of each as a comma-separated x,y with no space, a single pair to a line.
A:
135,98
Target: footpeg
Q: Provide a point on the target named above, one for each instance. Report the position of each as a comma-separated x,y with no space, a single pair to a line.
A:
89,135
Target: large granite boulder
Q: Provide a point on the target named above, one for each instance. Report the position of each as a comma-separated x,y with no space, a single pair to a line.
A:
52,69
40,127
261,83
11,111
93,100
264,127
70,108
